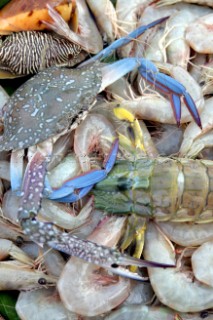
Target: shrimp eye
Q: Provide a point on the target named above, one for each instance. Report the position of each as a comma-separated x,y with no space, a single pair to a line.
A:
42,281
19,241
204,314
114,265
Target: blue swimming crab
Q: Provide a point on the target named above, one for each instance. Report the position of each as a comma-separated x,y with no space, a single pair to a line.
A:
55,100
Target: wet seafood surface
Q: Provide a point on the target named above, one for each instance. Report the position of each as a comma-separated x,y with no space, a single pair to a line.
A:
106,171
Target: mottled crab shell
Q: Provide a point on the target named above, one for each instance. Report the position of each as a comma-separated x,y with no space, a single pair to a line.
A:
22,15
48,103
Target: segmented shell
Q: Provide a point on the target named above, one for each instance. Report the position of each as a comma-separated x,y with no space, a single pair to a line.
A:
51,101
29,52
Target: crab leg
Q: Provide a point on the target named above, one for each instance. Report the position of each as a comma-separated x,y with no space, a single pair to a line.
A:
123,41
46,233
32,187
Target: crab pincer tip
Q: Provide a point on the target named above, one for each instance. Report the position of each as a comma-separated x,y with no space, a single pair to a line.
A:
176,106
192,108
198,121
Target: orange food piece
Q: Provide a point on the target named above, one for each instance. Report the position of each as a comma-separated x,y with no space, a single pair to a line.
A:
22,15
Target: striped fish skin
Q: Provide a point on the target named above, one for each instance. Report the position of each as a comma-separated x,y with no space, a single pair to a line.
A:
29,52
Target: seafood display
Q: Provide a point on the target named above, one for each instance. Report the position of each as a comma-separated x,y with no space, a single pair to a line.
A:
106,161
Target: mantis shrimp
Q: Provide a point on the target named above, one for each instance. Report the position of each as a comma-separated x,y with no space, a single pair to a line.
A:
47,111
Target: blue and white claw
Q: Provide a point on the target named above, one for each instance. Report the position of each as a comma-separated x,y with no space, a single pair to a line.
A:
148,71
164,83
76,188
103,256
170,86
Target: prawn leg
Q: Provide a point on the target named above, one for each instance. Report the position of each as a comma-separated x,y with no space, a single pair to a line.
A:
135,232
124,114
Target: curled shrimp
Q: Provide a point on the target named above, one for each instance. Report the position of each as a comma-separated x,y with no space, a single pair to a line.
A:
42,304
200,2
11,232
8,248
199,34
65,217
105,16
18,276
127,14
62,215
202,263
143,312
178,50
87,290
192,133
94,131
65,170
202,142
187,234
174,287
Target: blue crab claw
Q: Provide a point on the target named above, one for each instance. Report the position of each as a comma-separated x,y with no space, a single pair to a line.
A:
103,256
85,181
76,195
123,272
176,106
123,41
113,72
192,108
169,85
112,259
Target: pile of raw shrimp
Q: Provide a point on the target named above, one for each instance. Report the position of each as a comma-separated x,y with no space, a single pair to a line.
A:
69,288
